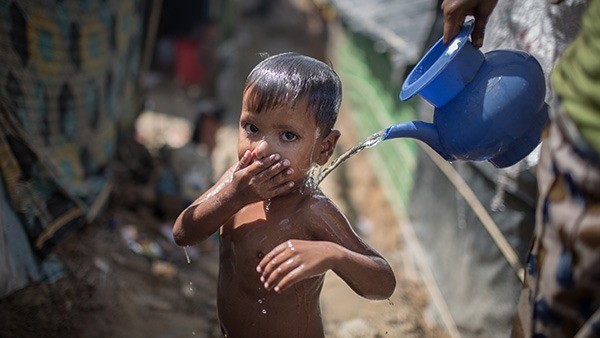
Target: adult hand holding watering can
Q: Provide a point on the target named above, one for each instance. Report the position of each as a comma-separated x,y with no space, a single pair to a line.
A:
487,107
455,12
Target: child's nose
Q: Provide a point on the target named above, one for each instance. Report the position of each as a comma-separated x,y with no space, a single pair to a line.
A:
262,149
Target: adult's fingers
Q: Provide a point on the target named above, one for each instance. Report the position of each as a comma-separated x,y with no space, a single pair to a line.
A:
451,29
478,32
481,18
455,12
454,16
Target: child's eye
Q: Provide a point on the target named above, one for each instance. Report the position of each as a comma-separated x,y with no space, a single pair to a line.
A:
250,128
289,136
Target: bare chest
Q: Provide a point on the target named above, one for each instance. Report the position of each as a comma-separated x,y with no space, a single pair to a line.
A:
253,233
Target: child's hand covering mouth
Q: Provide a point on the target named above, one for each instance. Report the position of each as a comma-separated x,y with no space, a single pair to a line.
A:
250,157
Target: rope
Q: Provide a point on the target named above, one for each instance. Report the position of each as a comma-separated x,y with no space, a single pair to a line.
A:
485,218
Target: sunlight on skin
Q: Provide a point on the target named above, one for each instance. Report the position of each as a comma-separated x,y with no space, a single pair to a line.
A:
216,202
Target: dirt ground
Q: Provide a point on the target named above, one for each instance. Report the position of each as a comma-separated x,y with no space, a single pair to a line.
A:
126,278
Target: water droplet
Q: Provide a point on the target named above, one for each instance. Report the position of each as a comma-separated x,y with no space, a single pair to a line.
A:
260,300
264,311
188,290
186,255
193,333
267,204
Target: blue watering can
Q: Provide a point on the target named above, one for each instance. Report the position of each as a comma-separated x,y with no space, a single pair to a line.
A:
487,107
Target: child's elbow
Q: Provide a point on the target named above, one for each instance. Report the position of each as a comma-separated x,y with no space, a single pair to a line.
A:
386,288
179,236
390,287
186,237
380,289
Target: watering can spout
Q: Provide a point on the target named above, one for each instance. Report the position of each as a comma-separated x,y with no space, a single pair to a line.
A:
422,131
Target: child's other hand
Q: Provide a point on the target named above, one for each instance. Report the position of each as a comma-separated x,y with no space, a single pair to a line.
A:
261,179
294,261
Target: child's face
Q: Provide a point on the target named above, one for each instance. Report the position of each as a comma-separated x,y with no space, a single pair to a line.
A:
290,132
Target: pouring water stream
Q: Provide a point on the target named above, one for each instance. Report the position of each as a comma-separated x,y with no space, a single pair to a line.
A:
318,174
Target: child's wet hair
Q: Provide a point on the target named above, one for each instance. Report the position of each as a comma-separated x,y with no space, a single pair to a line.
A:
283,79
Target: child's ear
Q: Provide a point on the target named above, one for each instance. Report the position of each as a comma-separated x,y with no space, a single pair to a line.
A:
328,146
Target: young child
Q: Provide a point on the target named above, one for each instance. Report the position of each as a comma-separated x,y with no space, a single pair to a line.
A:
278,235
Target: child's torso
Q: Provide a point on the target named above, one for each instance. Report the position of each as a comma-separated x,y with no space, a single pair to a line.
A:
244,305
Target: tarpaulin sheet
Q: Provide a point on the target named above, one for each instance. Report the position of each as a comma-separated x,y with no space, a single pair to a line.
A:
68,88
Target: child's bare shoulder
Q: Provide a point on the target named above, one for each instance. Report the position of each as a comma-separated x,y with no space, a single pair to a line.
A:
323,213
320,202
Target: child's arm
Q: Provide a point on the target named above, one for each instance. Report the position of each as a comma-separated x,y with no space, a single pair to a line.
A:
244,183
340,250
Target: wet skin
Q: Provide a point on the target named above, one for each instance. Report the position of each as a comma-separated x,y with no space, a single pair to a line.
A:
272,263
